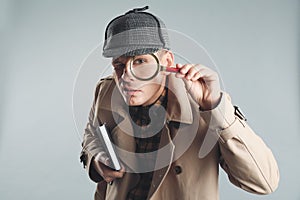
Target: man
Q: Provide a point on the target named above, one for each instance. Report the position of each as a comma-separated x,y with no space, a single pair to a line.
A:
172,130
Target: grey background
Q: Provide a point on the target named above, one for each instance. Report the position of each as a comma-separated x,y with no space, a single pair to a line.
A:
43,43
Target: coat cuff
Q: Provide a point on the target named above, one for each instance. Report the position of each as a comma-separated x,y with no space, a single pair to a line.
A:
93,174
222,116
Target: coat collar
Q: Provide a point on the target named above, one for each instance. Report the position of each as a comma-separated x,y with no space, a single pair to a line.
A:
178,106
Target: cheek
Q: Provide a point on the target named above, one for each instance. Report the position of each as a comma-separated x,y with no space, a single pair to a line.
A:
153,89
149,91
156,84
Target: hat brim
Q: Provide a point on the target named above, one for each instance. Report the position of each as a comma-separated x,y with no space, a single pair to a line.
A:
129,51
133,42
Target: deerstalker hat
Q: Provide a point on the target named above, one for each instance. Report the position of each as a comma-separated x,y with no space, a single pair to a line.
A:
135,33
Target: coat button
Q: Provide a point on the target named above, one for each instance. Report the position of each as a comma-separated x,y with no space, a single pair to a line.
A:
177,169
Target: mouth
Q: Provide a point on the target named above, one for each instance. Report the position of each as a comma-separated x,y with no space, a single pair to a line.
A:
130,91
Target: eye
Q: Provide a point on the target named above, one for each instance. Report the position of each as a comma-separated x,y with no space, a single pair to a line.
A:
139,61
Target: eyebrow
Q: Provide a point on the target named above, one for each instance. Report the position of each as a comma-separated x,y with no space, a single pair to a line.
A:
119,60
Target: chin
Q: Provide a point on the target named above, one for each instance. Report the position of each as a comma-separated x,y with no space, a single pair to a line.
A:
138,100
134,104
133,101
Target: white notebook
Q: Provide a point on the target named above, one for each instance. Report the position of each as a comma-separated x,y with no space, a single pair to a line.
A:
109,147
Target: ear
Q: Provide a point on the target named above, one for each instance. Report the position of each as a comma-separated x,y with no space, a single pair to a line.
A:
168,60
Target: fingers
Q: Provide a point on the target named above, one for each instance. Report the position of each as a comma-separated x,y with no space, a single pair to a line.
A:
107,173
115,174
188,71
112,175
195,72
202,83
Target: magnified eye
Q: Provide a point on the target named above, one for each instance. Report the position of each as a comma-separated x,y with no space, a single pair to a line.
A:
144,67
139,61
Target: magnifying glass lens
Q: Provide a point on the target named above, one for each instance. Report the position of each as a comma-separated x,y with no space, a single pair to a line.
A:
144,67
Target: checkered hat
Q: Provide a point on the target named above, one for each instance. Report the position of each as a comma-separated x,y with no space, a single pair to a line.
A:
135,33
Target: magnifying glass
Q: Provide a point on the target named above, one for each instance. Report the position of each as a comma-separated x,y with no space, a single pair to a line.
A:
146,67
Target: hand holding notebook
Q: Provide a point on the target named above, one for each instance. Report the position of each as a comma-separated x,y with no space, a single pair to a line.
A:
105,138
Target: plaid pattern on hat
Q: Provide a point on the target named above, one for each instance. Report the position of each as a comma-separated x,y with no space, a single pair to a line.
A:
135,33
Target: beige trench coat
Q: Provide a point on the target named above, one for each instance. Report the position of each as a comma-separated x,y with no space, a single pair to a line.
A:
192,172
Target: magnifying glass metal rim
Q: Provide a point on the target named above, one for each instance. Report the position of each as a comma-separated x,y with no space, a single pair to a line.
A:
159,69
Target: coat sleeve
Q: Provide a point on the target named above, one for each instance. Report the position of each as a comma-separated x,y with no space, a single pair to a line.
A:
244,156
91,144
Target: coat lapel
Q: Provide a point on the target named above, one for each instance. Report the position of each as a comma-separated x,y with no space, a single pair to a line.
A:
111,101
177,108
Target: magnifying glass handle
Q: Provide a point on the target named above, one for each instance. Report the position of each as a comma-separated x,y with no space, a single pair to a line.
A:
172,69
